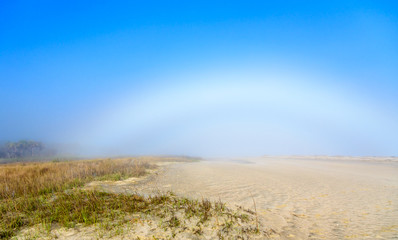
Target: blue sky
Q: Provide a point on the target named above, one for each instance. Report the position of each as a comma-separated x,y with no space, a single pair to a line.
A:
209,78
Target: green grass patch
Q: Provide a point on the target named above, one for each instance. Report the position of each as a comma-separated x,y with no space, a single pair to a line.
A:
92,207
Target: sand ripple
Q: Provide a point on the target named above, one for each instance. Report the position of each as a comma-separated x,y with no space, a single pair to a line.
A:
299,197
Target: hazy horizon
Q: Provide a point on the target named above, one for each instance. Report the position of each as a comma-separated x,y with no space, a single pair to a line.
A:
210,79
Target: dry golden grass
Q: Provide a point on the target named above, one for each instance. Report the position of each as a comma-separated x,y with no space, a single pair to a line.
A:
32,179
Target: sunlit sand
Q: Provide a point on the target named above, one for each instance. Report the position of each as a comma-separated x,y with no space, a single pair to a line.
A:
298,197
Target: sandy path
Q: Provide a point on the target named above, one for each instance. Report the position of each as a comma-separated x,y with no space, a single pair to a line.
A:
300,198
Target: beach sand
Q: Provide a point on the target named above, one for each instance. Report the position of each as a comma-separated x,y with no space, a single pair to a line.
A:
297,197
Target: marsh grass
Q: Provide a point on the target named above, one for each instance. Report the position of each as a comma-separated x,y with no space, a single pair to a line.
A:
34,179
36,192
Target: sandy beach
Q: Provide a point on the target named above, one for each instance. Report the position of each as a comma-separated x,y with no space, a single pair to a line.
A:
298,197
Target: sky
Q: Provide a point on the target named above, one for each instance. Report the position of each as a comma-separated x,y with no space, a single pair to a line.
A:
201,78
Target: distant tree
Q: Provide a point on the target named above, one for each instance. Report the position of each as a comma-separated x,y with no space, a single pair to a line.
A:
3,153
11,149
23,148
35,147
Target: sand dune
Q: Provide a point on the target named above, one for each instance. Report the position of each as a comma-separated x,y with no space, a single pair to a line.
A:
298,197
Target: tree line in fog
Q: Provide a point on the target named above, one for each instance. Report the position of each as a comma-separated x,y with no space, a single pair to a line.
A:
23,149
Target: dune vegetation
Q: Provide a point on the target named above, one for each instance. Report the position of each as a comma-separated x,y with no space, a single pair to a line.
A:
50,194
27,188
